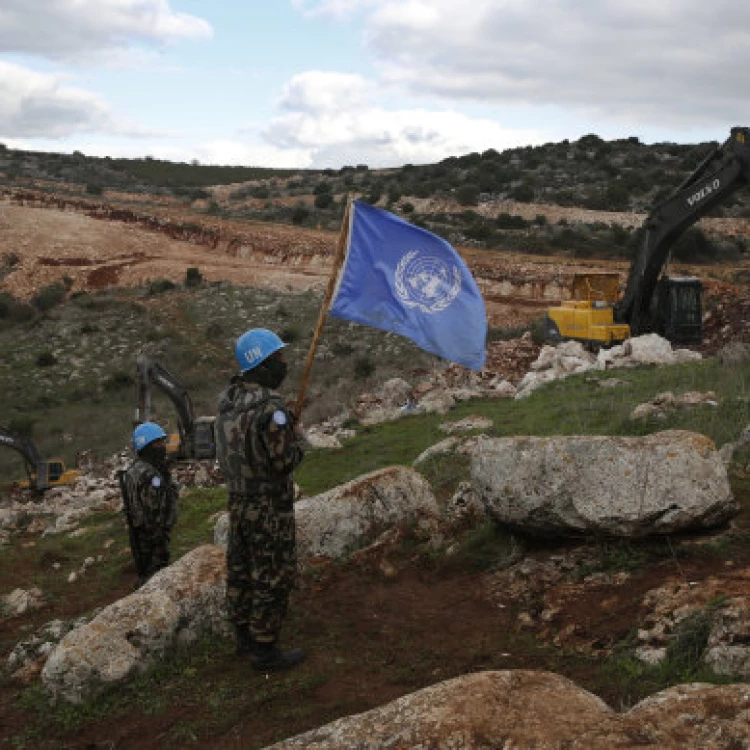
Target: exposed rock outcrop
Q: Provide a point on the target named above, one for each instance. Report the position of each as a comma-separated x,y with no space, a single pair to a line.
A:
178,605
349,517
628,487
540,710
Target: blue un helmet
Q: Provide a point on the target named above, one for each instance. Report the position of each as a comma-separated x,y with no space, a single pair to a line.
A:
256,346
145,434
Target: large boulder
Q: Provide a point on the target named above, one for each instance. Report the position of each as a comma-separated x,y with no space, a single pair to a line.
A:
353,515
540,710
178,605
628,487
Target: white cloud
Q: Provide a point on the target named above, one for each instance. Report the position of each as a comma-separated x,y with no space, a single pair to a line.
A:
678,62
332,8
36,105
82,30
331,119
319,91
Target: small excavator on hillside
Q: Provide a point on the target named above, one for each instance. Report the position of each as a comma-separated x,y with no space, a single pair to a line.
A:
42,473
652,302
195,435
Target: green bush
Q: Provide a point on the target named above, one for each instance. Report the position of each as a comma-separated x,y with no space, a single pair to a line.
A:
119,380
300,214
160,286
193,277
49,296
468,195
342,349
510,221
289,335
46,359
22,425
364,367
323,200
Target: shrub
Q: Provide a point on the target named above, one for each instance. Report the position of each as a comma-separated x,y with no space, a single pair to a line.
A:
468,195
46,359
160,285
523,193
21,312
10,259
342,349
7,302
21,425
364,367
118,381
300,214
508,221
323,200
193,277
289,335
49,296
214,331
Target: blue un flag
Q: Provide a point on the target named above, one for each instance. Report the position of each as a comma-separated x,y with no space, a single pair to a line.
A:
401,278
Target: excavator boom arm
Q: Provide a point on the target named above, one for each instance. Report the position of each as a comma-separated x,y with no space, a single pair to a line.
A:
720,174
147,373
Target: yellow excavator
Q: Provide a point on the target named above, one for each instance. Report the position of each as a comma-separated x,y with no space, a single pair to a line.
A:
42,473
653,302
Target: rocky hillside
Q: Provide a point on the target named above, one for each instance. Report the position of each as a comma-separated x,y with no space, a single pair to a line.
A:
427,613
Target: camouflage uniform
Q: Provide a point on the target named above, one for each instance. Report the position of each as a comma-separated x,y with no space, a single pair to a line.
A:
150,504
258,450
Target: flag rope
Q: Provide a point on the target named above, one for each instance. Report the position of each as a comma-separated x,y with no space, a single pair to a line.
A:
337,262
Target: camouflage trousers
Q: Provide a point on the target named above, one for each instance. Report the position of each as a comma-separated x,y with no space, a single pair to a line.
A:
261,560
150,548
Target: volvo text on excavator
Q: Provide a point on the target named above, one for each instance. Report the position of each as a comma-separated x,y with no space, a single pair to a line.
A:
195,435
652,302
42,473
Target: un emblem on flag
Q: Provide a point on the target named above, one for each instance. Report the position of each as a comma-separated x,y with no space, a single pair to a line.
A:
427,282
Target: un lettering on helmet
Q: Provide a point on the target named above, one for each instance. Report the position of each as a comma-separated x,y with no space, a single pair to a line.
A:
253,354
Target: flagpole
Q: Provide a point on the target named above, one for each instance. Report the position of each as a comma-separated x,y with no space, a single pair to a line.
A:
337,261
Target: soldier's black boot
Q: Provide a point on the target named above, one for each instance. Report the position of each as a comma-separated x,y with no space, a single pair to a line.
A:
270,658
245,641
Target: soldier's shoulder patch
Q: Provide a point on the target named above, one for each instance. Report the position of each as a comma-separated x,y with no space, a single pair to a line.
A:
279,417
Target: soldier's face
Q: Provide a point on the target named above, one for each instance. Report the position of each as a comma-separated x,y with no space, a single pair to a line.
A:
277,369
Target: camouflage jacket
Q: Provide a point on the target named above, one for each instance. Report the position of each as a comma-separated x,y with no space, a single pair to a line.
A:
149,495
256,445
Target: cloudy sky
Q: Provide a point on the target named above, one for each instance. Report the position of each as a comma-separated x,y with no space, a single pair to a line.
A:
326,83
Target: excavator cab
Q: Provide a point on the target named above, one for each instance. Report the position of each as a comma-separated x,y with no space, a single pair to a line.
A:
204,437
677,309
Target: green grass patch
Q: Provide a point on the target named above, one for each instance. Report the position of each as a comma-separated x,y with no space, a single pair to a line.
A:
577,405
633,680
198,508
